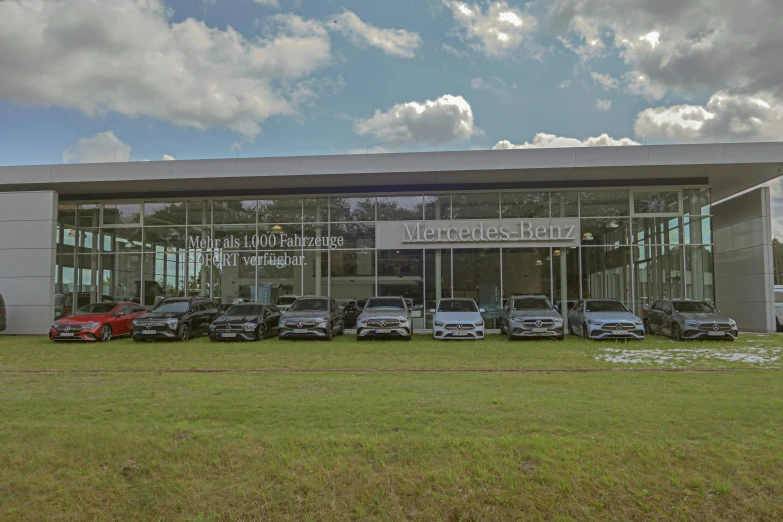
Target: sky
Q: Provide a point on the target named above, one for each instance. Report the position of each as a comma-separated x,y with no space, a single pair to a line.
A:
134,80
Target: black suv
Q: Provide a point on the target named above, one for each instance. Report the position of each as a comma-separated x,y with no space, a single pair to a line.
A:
176,318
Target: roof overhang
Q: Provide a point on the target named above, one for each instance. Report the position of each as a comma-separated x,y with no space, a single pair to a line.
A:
727,168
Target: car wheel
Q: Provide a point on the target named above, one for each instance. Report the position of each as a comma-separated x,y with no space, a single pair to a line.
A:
585,333
647,330
136,340
508,334
676,333
779,326
330,334
260,333
105,334
184,333
341,331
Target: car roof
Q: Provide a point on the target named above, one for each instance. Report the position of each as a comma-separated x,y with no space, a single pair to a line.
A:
527,295
602,299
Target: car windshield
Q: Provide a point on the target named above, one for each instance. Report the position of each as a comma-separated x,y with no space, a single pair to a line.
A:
385,302
457,305
176,307
532,303
306,305
96,309
285,300
605,306
693,307
245,309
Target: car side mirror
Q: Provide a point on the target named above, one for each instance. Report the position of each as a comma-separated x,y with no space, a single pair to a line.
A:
119,314
481,310
668,312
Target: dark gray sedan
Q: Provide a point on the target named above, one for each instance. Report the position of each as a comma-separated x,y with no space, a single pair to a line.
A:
526,316
312,318
683,319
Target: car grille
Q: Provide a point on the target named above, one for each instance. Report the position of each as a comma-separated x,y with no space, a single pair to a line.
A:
618,326
383,323
721,327
463,326
229,328
150,324
300,324
69,328
538,323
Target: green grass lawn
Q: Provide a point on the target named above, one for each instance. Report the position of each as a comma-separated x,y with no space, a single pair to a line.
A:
392,445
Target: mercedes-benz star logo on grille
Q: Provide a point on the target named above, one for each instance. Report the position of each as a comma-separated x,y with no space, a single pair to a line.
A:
67,328
620,327
300,324
715,327
459,326
539,323
228,328
383,323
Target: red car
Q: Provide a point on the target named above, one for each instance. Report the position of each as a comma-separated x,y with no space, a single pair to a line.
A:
97,322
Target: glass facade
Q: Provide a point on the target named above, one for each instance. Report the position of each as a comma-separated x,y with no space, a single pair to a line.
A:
636,245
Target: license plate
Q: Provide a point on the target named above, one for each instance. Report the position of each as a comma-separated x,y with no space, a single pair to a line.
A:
149,332
66,335
715,334
383,331
300,331
460,334
538,330
228,335
618,332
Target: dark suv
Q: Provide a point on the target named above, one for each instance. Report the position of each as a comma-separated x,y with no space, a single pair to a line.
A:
312,317
176,318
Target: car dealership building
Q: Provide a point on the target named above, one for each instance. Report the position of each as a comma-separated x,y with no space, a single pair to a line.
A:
633,223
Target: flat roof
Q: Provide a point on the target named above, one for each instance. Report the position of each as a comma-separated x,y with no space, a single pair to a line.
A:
729,168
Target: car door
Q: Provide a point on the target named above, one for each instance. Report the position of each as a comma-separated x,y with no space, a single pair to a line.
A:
576,317
667,317
125,320
654,317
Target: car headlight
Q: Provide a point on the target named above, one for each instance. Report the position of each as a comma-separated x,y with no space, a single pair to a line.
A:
402,318
281,324
479,323
212,328
595,322
691,323
516,319
732,323
638,322
438,323
90,326
558,321
135,322
172,323
249,327
54,326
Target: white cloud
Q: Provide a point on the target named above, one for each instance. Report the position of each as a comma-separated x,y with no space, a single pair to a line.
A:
725,117
377,149
640,84
543,140
690,46
445,120
128,57
603,105
397,42
494,83
167,157
104,147
606,81
479,84
454,51
269,3
496,30
564,84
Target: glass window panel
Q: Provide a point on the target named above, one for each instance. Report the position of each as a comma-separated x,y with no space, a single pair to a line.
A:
355,235
66,215
600,203
565,266
121,276
699,278
315,210
524,205
352,209
484,205
66,240
121,213
656,202
400,208
401,273
352,274
565,204
697,230
658,274
234,237
316,273
438,278
656,231
276,236
526,271
437,207
199,212
606,273
199,270
696,201
164,214
234,277
282,210
477,275
231,211
121,240
609,231
88,239
164,276
279,275
164,239
88,215
64,281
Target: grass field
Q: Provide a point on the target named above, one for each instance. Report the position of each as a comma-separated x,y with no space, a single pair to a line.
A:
316,436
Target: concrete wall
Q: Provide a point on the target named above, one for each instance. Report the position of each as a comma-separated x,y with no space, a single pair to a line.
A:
744,275
28,222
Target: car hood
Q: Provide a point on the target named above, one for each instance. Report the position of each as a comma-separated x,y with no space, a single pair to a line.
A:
305,314
704,317
393,313
234,319
75,320
168,315
534,313
458,317
611,316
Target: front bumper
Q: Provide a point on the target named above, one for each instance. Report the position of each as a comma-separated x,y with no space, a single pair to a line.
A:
598,332
82,335
523,331
306,332
441,332
160,333
691,333
393,332
232,336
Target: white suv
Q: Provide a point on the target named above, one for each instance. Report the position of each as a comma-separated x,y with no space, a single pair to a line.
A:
779,307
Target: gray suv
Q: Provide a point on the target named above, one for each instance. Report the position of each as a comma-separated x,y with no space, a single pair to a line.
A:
528,316
385,317
312,318
683,319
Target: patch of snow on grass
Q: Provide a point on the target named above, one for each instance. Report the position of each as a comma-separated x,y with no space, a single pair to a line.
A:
681,356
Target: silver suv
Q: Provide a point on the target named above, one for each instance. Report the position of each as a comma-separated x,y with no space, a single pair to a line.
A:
385,317
525,316
684,319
